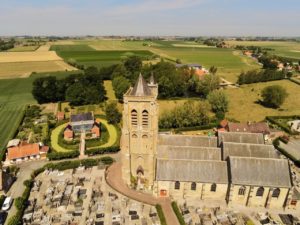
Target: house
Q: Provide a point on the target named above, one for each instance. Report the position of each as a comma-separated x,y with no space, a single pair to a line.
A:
84,122
260,127
68,132
197,68
23,151
60,116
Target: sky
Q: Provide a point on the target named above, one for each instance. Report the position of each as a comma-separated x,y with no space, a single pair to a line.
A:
150,17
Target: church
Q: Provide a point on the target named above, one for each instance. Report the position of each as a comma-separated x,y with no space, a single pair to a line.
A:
237,168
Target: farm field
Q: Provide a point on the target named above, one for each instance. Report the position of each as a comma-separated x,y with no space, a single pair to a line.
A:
22,64
14,95
230,63
243,106
24,48
282,48
24,69
87,56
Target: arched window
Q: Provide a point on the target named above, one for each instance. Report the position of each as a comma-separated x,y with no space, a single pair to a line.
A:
242,190
134,118
193,186
276,193
177,185
145,118
260,191
134,136
213,187
145,136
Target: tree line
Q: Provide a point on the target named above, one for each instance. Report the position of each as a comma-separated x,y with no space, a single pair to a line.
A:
78,89
5,45
255,76
172,81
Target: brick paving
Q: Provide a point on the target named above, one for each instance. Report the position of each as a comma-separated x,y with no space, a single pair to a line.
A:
114,179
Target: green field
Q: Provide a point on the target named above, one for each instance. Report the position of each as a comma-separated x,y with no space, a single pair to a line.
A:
14,95
281,48
85,55
243,106
229,62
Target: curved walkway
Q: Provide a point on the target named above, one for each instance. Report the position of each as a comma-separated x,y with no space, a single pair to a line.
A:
114,180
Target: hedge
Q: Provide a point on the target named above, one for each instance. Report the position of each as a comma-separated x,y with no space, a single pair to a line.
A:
178,213
21,202
284,127
161,215
97,151
295,81
203,127
54,155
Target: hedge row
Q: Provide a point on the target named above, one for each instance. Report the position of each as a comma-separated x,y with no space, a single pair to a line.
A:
161,215
54,155
295,81
276,144
21,202
284,127
203,127
178,213
99,151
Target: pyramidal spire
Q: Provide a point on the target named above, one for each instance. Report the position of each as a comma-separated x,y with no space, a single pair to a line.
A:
141,87
152,81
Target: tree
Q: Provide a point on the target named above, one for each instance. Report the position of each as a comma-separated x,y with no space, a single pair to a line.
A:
75,94
120,85
112,113
133,64
213,70
44,89
274,95
207,84
219,102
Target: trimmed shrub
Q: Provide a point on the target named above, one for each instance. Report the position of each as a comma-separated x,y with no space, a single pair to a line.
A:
97,151
53,155
161,215
178,213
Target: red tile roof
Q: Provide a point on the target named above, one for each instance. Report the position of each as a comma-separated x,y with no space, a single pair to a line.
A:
23,150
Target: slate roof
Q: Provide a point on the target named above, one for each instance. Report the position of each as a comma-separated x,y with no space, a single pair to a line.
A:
187,152
192,171
141,88
187,140
240,137
249,150
82,117
260,172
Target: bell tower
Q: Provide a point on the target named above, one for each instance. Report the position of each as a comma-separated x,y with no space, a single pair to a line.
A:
139,134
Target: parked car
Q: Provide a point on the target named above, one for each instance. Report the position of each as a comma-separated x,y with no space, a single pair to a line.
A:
7,203
3,216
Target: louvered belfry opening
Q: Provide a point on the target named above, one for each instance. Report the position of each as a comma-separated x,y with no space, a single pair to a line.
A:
134,118
145,119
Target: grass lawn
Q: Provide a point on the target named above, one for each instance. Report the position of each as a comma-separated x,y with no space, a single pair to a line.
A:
110,93
112,131
243,106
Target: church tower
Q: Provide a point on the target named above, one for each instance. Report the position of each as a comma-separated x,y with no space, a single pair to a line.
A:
139,134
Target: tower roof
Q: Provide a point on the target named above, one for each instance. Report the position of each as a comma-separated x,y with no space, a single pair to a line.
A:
152,80
141,87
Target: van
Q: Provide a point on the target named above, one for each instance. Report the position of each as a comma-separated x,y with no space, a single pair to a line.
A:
7,203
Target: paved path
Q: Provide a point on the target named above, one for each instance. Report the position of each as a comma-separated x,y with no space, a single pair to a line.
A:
114,179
